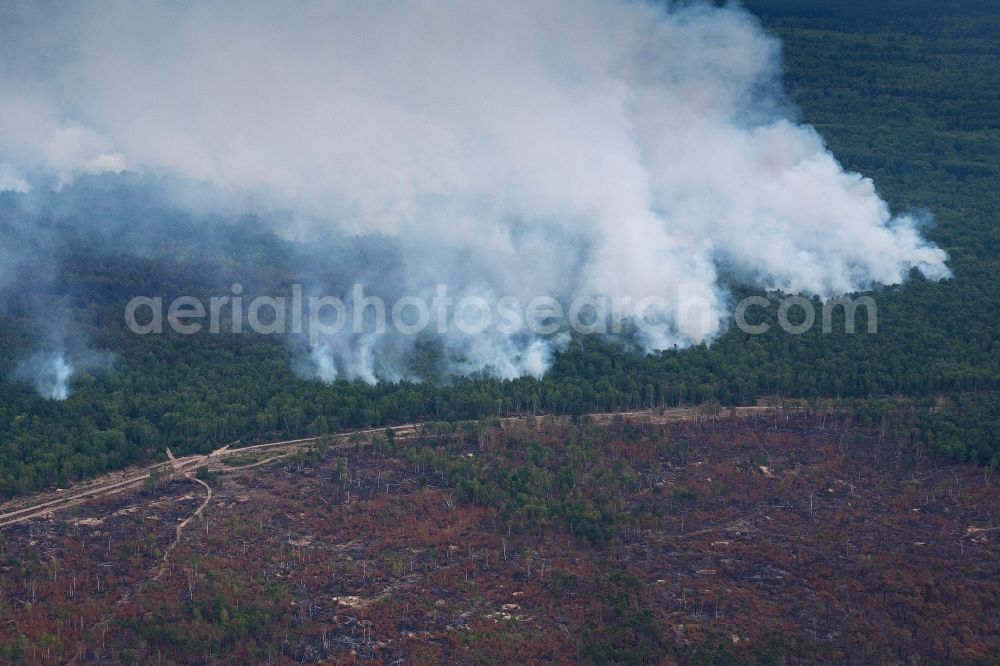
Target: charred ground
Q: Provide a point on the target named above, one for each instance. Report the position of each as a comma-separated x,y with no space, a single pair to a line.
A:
768,538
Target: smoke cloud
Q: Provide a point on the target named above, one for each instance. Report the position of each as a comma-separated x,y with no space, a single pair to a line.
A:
609,148
50,372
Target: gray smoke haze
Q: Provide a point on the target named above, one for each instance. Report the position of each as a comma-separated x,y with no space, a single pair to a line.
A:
608,148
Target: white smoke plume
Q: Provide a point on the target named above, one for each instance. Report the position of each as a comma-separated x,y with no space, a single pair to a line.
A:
49,373
612,148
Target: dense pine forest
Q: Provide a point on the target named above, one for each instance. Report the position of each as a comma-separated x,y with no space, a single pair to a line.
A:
907,93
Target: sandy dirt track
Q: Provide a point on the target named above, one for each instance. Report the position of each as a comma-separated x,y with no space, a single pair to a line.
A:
40,505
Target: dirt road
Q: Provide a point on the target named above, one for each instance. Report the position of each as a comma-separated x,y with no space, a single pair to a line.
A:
36,506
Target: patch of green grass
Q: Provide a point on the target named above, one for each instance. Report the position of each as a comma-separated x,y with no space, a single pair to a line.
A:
240,461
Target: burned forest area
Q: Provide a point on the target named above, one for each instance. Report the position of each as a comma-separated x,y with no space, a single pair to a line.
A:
764,537
604,332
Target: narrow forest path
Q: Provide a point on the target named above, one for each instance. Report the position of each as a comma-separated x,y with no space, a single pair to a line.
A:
181,525
41,505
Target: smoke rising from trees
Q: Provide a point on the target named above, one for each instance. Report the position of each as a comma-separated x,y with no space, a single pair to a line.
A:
564,148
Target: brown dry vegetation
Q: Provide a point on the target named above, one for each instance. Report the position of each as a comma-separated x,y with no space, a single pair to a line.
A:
760,538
